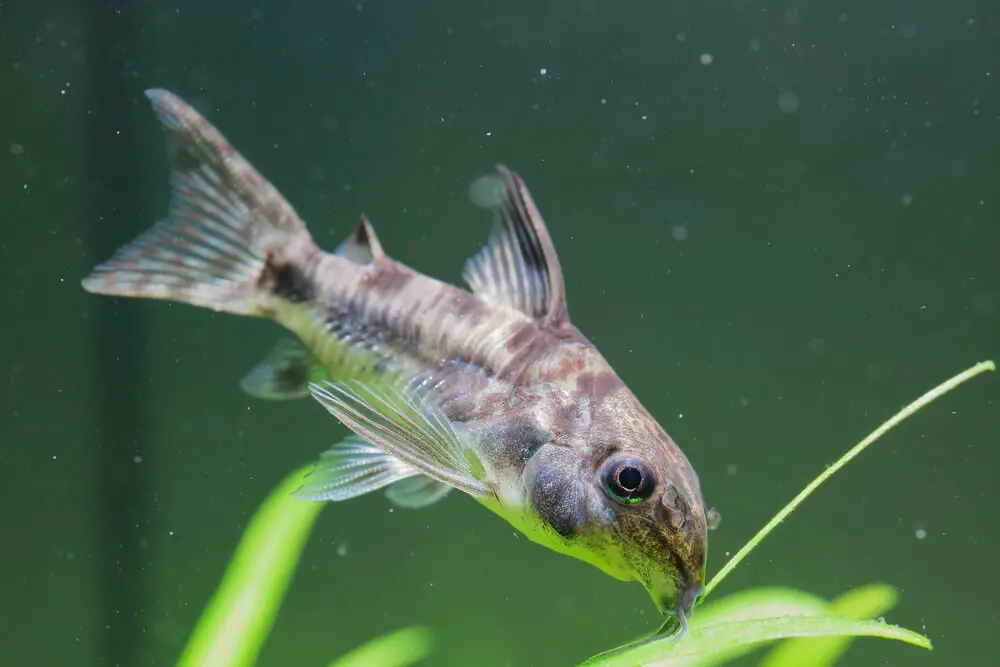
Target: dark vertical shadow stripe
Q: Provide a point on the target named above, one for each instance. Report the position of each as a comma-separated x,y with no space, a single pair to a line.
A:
120,381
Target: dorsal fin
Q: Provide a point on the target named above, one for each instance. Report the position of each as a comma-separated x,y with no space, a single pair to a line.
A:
518,265
362,246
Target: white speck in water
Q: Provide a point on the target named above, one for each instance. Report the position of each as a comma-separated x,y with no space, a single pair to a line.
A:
679,232
920,533
706,59
788,101
682,36
543,71
731,469
744,402
906,200
341,549
754,45
604,100
137,459
170,533
680,416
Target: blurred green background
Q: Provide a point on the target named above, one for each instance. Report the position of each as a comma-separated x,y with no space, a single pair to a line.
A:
778,220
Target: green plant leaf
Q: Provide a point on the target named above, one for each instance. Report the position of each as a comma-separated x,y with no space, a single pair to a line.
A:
237,620
719,642
860,603
763,602
396,649
784,512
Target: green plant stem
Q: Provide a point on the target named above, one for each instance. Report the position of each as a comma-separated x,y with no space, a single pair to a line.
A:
239,617
909,410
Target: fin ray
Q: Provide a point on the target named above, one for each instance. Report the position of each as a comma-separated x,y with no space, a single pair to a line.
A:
362,246
416,492
352,468
224,227
406,425
518,265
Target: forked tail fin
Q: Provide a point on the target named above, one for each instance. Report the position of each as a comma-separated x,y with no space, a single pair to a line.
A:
229,240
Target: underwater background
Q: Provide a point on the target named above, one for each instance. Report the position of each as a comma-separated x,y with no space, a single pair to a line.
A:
777,220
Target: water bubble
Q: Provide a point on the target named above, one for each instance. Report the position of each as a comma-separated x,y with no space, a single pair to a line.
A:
920,533
679,232
487,191
706,59
788,102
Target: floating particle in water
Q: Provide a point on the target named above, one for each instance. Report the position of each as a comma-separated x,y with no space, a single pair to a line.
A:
682,36
920,533
731,469
788,101
543,71
16,149
706,59
487,191
341,549
906,200
679,232
754,45
817,345
137,459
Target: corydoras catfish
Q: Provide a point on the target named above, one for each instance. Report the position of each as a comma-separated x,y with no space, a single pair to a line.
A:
491,391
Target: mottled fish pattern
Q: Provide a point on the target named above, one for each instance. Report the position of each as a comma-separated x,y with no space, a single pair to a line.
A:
490,390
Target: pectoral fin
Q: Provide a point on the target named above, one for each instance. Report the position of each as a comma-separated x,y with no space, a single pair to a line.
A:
417,491
352,468
401,422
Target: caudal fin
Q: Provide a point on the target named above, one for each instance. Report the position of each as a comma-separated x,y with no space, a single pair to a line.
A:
229,240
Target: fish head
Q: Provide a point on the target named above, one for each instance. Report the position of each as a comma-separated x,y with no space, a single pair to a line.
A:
625,498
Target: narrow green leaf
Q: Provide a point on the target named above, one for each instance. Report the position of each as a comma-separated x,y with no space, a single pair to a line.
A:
240,615
396,649
725,637
860,603
785,511
764,602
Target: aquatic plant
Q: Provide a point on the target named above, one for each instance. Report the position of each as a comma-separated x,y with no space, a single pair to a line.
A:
240,615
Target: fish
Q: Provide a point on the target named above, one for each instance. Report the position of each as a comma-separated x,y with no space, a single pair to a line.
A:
488,389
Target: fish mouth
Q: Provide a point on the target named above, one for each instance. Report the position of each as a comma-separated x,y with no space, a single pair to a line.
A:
678,602
686,599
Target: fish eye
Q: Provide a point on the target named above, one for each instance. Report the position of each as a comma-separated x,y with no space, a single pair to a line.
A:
628,481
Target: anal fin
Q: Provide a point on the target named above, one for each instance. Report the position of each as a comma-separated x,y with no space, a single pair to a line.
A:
284,373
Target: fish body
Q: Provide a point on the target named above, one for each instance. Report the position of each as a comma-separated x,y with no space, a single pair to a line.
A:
491,391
